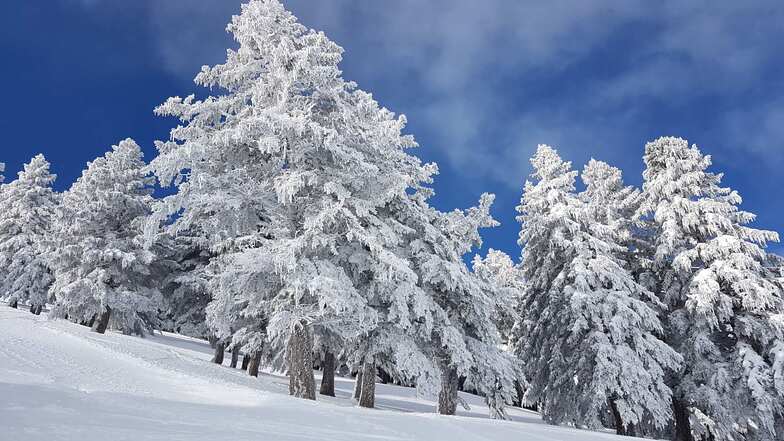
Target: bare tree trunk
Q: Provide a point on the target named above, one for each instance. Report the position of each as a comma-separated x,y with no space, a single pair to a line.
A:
253,365
32,308
384,377
447,397
328,375
519,392
220,349
245,361
14,303
102,321
620,427
358,385
38,309
682,430
235,357
299,358
367,397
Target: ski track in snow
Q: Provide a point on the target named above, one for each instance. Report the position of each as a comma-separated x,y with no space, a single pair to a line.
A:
60,381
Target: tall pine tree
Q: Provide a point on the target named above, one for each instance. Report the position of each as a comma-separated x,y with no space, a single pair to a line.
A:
724,301
102,271
29,204
588,338
287,170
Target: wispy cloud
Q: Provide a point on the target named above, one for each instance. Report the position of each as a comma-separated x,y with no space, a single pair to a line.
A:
489,80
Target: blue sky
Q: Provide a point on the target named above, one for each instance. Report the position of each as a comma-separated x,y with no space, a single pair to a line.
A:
482,83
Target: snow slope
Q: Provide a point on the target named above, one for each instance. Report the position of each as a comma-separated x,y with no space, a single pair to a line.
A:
59,381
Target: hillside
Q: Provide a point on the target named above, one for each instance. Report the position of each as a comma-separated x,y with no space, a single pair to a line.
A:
59,381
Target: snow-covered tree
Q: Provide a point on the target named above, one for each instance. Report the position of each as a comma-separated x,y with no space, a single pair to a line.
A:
462,338
2,169
505,280
184,284
102,271
725,304
588,337
287,170
29,204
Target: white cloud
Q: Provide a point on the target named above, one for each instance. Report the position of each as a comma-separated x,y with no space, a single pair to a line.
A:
469,70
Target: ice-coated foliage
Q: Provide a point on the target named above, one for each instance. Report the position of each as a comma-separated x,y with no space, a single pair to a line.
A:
587,336
287,170
184,283
461,305
300,224
28,209
99,260
506,282
724,300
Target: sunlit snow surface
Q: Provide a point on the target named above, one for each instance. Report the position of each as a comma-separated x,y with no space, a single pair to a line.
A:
59,381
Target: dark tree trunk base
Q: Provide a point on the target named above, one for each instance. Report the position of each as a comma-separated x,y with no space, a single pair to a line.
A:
620,427
14,304
682,430
253,365
447,397
245,361
328,375
367,396
519,392
299,358
220,349
102,321
358,385
235,357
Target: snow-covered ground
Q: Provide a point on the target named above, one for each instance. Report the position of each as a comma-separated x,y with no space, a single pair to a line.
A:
59,381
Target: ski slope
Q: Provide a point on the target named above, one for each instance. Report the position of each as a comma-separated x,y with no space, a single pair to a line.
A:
59,381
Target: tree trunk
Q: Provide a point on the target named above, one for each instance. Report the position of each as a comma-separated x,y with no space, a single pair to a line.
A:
245,361
220,349
620,427
253,365
447,397
384,377
367,396
38,309
14,303
102,321
328,375
519,393
32,308
682,430
358,385
299,357
235,357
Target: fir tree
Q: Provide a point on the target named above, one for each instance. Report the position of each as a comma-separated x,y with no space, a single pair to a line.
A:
506,282
588,336
724,301
102,271
287,171
463,338
29,204
184,284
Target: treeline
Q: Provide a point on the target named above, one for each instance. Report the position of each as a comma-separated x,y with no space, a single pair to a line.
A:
299,233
